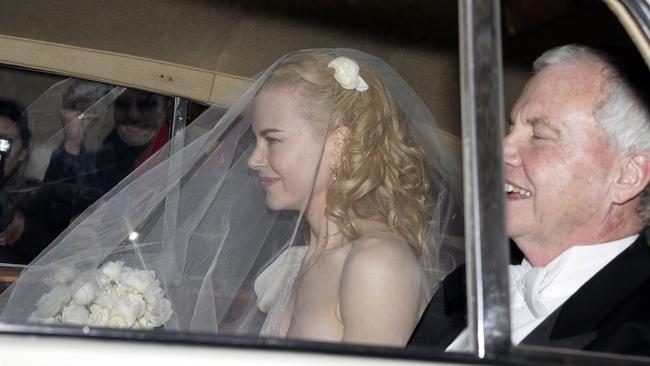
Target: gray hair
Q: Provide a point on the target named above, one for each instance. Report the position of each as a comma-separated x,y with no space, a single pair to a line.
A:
623,113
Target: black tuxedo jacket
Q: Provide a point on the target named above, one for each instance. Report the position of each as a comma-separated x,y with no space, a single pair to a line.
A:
609,313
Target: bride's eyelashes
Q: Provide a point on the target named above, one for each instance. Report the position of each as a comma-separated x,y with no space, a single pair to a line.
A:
271,140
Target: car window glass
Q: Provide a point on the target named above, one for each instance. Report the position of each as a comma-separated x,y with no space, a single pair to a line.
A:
71,141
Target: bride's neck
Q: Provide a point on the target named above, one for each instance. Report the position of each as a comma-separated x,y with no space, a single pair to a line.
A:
324,233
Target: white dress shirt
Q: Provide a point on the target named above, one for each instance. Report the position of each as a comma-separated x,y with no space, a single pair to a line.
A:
535,292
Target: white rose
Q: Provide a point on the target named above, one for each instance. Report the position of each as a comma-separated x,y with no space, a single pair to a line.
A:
159,310
86,293
75,314
124,290
107,297
98,316
137,303
62,275
113,269
346,72
125,311
143,323
139,280
154,290
103,280
116,322
51,302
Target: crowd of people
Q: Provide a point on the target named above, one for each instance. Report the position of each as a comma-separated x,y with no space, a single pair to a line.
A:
75,177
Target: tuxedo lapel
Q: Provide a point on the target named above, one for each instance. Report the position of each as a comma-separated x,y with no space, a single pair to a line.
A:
455,290
445,316
576,323
542,335
616,294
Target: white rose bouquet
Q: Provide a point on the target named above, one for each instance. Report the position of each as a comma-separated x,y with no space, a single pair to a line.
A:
113,296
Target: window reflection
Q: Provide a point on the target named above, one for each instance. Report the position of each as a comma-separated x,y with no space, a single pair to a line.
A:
69,146
140,127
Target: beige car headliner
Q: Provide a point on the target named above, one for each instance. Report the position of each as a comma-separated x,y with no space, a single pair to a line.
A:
199,50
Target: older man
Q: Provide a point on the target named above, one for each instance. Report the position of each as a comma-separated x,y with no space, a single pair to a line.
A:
577,172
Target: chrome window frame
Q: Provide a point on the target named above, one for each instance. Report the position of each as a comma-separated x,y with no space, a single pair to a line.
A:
482,116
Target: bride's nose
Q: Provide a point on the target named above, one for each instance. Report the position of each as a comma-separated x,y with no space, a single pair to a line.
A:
257,159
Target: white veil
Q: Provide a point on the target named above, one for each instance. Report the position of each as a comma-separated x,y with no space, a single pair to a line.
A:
198,218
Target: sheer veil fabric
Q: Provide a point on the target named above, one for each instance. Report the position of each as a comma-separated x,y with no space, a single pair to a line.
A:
200,219
91,100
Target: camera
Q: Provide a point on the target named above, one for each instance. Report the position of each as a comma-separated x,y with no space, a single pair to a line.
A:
5,149
6,205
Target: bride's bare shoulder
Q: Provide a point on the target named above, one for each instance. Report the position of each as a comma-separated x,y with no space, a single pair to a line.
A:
380,290
381,253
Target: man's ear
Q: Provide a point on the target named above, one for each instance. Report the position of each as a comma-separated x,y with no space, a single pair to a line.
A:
634,176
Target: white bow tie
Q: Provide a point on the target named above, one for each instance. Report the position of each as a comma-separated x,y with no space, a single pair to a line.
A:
531,281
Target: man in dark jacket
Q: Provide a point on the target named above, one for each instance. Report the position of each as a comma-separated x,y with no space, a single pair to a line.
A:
141,128
577,172
29,218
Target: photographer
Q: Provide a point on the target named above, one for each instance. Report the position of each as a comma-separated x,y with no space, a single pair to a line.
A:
141,128
27,225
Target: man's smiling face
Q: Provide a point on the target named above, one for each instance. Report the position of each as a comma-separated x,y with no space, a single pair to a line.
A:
559,165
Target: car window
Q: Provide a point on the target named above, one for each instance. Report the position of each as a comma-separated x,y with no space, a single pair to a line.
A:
71,141
596,26
86,137
439,93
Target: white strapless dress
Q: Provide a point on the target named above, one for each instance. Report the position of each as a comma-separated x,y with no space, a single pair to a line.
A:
273,287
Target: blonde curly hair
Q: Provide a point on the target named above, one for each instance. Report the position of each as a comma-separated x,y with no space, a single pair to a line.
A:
380,174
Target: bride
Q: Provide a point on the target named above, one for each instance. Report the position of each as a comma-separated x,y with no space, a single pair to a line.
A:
368,208
315,208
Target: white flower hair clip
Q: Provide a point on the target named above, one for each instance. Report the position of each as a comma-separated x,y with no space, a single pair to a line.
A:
346,72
